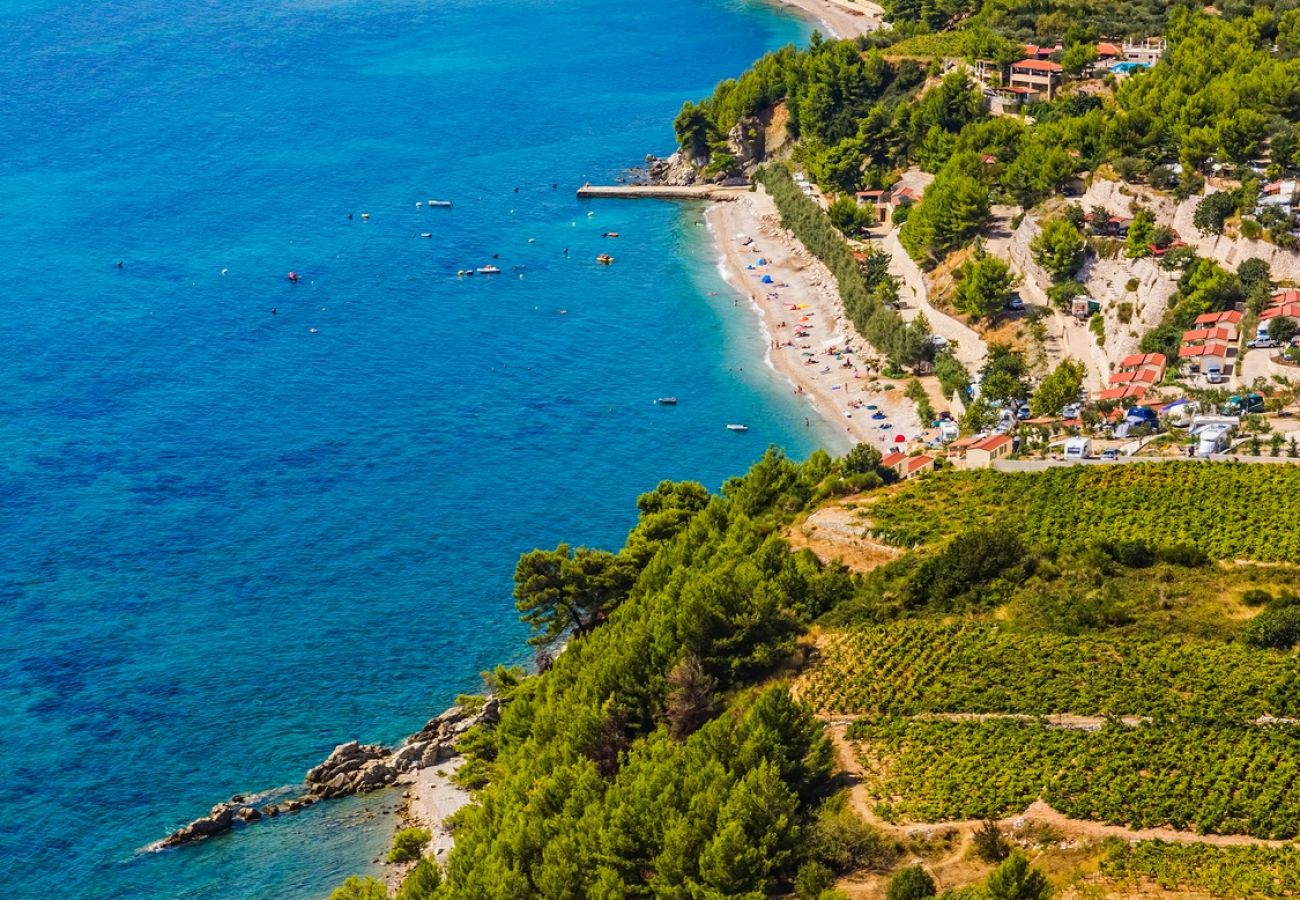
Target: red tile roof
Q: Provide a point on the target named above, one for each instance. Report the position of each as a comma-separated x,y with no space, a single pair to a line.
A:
1147,375
1106,49
1286,310
1231,317
916,462
1290,295
991,443
1206,334
1036,65
1211,349
1119,393
893,459
1143,359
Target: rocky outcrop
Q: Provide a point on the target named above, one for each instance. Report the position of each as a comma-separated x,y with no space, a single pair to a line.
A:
352,768
675,170
746,141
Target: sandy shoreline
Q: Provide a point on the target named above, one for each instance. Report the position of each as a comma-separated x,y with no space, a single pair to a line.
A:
841,18
805,326
430,798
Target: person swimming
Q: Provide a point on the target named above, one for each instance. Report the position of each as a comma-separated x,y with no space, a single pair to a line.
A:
275,310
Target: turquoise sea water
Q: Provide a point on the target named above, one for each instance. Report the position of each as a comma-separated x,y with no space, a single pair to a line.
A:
229,543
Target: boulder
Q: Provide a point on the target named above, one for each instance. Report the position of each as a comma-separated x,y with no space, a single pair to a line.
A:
248,814
217,821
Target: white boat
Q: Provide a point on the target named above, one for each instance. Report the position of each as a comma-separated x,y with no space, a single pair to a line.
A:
426,234
489,270
440,203
667,401
734,427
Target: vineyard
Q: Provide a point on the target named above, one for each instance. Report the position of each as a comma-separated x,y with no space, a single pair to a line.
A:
917,666
1228,510
1224,871
1211,779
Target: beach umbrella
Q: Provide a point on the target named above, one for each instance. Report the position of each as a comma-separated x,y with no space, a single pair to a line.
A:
899,439
762,261
767,279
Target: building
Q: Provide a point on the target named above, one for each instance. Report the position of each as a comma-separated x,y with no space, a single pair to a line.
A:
1108,52
983,453
1123,392
1147,51
1041,76
1221,334
906,467
1229,318
1154,363
1281,311
1034,51
1207,355
1290,295
877,200
1279,195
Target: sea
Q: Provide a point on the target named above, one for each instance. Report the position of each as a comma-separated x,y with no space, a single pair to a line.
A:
244,519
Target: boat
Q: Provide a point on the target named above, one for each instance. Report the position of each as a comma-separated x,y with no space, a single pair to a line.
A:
734,427
489,270
426,234
667,401
610,234
440,203
604,259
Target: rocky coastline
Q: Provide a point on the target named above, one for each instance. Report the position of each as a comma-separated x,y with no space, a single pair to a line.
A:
352,768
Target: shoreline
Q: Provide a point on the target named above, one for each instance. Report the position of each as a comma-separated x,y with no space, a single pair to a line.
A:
842,19
802,320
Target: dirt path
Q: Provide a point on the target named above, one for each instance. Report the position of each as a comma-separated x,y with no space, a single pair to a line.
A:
1038,811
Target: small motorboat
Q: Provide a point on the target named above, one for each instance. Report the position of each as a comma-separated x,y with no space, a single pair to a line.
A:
604,259
610,234
426,234
293,276
734,427
667,401
489,270
442,203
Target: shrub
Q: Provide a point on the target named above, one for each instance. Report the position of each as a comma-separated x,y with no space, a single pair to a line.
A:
1276,628
845,843
358,888
1256,597
1131,285
989,843
1124,312
1015,879
812,879
421,882
912,883
408,843
970,559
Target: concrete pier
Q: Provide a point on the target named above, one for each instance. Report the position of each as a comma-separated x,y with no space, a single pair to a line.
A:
659,192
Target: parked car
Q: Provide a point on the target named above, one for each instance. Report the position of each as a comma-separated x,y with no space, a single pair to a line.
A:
1023,412
1264,343
939,342
1015,304
1070,412
1110,453
1214,375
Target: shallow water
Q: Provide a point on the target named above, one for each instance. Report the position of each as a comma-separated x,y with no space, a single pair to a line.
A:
230,543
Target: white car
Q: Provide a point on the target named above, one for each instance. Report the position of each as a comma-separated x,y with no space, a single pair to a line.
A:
1262,343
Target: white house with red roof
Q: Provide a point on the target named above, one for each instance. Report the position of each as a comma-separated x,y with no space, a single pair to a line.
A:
984,452
1041,76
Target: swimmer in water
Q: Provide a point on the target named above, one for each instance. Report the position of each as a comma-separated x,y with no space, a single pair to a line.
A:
275,311
119,263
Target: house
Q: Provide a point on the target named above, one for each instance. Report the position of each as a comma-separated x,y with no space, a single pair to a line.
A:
1220,334
983,453
1230,317
1153,363
1107,52
901,197
1204,356
906,467
1147,51
1290,295
1039,75
917,465
1034,51
1123,392
878,200
1007,99
1283,311
1280,195
1137,376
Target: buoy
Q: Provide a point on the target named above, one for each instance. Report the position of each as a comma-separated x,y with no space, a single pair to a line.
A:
293,276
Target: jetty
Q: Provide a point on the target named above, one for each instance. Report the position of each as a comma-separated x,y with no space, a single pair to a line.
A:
660,192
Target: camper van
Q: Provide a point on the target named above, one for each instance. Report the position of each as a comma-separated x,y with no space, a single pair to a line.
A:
1078,448
1213,439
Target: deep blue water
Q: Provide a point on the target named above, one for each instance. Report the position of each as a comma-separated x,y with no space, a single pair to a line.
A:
229,543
